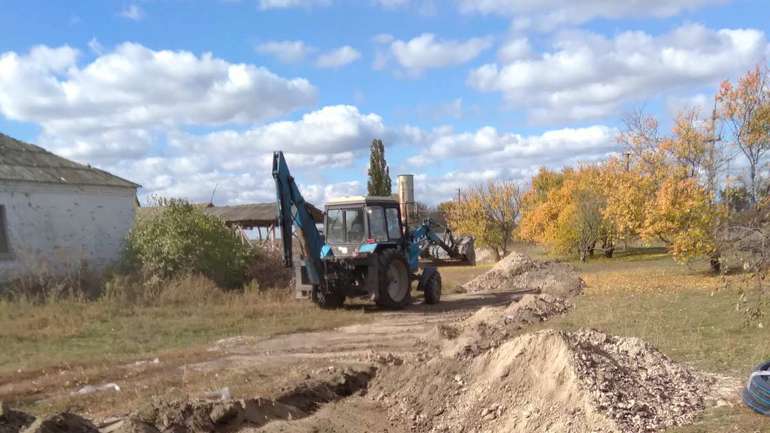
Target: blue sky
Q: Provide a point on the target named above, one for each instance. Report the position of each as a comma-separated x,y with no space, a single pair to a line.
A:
183,96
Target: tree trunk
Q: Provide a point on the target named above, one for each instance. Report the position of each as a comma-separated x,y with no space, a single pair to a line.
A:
715,263
583,256
753,178
609,248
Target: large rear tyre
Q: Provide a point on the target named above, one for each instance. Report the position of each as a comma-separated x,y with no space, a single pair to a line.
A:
432,289
327,300
394,289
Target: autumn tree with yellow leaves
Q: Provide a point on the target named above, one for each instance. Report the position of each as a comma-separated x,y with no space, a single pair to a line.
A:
565,211
489,212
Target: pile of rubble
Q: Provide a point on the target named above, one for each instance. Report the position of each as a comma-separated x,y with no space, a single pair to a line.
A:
546,381
520,273
490,326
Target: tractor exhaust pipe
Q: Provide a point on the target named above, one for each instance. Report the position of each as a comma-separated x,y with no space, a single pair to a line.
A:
406,198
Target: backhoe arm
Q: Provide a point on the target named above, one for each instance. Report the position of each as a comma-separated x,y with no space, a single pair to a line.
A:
292,210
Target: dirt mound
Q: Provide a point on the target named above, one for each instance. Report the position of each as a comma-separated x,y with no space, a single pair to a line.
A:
518,272
546,381
490,326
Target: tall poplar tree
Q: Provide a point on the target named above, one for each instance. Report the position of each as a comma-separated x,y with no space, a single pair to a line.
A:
379,174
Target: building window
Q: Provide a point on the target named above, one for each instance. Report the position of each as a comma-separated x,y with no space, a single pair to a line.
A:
5,247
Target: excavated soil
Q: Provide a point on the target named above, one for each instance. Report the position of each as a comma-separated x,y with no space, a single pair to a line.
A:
519,272
546,381
491,326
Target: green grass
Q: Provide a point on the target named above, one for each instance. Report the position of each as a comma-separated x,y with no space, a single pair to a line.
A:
81,333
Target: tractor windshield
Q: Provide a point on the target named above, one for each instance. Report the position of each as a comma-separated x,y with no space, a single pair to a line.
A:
345,226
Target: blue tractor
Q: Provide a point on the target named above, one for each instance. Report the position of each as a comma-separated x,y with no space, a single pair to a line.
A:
366,251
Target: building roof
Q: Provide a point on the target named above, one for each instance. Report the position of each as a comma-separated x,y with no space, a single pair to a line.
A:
244,215
24,162
254,215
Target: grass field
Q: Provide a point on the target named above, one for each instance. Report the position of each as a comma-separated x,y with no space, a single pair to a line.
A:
683,310
69,333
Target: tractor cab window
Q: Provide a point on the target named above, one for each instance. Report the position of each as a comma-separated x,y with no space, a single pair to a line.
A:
377,230
354,225
335,226
394,226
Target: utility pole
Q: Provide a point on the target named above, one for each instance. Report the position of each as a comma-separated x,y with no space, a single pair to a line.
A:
627,156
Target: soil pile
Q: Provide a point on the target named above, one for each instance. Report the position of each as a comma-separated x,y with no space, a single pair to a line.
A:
491,326
546,381
518,272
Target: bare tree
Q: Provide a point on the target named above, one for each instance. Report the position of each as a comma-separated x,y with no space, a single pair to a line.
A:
745,107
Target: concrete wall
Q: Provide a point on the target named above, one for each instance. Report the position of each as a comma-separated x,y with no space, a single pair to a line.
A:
55,228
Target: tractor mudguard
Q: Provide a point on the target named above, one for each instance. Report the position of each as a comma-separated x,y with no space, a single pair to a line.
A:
426,275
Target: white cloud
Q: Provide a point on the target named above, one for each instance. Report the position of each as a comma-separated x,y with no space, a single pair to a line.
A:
699,101
116,103
514,49
96,46
285,51
132,12
587,75
493,149
383,38
470,158
548,14
237,163
338,57
427,52
329,131
285,4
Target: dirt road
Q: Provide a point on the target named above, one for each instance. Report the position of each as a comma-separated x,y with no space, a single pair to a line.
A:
247,366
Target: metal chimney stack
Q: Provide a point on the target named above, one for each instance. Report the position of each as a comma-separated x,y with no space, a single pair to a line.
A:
406,197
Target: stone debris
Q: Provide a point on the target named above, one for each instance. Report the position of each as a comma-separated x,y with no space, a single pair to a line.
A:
636,385
90,389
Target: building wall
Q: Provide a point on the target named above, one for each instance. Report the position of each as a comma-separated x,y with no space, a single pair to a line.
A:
57,228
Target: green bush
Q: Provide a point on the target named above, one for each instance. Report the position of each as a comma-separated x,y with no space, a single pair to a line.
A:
182,240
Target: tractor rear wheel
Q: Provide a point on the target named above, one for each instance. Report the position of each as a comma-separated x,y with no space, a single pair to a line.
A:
432,289
394,287
327,300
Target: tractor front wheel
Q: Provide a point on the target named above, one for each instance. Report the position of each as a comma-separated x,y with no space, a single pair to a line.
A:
394,287
432,289
327,300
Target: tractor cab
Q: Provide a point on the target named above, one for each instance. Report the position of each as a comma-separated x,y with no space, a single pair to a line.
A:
360,225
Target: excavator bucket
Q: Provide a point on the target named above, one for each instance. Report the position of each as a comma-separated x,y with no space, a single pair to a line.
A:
448,250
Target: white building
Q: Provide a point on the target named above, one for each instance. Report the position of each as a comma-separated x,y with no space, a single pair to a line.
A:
58,216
